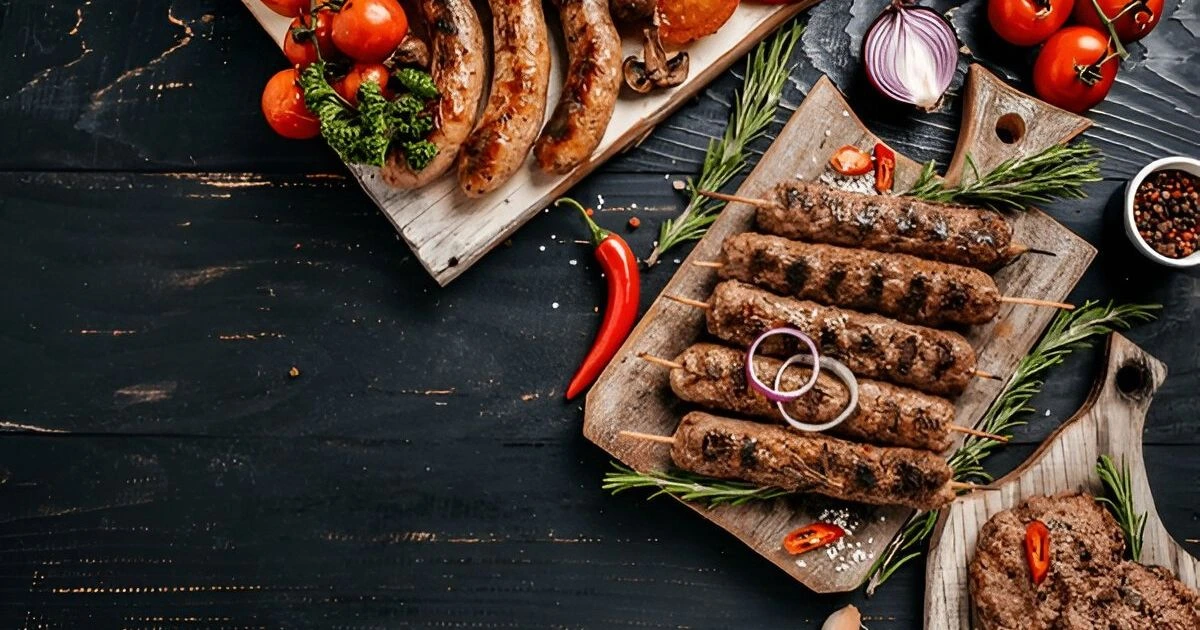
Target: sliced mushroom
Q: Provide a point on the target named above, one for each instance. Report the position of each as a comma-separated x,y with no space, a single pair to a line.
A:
635,75
656,69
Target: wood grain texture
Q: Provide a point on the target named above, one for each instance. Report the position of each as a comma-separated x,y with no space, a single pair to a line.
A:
634,395
1110,422
449,231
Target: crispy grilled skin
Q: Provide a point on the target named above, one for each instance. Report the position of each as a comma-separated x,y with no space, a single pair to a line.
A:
897,285
769,455
715,377
458,70
935,361
589,95
517,102
956,234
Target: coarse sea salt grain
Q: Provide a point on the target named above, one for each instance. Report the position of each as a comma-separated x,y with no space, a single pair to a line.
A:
554,305
541,248
573,262
801,564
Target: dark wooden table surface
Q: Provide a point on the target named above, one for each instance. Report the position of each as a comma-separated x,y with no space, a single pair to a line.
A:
166,261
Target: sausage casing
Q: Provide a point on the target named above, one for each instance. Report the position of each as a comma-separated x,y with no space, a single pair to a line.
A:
905,287
955,234
935,361
589,94
517,101
715,377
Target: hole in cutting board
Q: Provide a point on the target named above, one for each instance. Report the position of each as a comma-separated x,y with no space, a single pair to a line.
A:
1133,378
1010,128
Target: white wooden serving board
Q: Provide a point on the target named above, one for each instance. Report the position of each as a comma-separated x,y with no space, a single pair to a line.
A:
1110,422
448,231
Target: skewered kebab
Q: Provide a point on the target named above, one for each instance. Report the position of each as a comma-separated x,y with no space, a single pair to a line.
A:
898,285
768,455
935,361
948,233
715,376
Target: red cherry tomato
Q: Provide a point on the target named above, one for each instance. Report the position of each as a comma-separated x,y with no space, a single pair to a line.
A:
369,30
298,42
283,106
1075,69
348,86
1028,22
1137,17
851,160
287,8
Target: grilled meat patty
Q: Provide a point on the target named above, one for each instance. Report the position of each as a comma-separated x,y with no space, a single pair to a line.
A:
769,455
715,376
897,285
1089,585
935,361
955,234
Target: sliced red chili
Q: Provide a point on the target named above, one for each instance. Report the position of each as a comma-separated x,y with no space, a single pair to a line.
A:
811,537
1037,550
851,160
885,167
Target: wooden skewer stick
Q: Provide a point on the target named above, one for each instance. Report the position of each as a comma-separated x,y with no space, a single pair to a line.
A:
987,375
1036,302
688,301
667,363
711,264
757,203
649,437
962,485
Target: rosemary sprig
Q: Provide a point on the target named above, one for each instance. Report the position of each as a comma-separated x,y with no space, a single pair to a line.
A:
1119,486
687,486
1056,172
767,70
1070,331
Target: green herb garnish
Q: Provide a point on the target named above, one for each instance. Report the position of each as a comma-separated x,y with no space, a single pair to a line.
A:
1057,172
767,71
687,486
1119,486
362,134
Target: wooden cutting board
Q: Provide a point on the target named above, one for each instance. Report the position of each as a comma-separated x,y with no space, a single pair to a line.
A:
1109,423
448,231
634,395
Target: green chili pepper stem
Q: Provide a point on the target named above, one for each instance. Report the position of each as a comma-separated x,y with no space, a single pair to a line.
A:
598,233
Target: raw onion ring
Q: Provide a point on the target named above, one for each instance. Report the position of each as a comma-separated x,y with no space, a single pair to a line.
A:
773,394
833,365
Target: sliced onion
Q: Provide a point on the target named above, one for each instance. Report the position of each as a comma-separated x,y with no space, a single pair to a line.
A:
773,394
910,54
840,370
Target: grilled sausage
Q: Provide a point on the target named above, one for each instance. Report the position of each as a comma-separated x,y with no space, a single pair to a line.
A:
935,361
517,102
897,285
955,234
458,69
768,455
715,377
589,95
632,11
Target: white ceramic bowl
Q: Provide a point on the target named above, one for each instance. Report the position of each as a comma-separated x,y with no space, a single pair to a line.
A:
1187,165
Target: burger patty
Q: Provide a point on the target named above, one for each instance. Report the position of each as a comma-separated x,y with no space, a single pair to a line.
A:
1089,585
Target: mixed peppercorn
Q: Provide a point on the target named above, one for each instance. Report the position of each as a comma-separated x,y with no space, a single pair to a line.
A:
1164,210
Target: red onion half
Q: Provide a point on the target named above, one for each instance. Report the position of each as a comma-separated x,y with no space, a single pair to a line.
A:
840,370
772,393
911,53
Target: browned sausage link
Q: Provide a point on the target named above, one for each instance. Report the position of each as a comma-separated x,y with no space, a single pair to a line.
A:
715,377
908,288
589,94
768,455
956,234
517,103
458,69
632,11
935,361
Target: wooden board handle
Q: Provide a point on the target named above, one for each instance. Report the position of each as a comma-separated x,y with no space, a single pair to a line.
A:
999,121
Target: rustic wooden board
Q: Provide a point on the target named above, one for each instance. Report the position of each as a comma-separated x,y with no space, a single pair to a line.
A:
448,231
635,395
1110,422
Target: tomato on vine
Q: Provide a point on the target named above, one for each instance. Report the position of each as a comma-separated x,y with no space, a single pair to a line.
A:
348,86
288,8
305,35
1131,19
1028,22
284,108
369,30
1075,69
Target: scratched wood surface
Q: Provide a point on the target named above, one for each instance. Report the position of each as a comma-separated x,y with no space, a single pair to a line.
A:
160,468
1110,422
633,395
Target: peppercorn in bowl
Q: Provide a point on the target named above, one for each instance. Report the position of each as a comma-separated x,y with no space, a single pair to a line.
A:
1162,206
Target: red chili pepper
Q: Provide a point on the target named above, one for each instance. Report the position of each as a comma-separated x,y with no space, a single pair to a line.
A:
885,167
851,160
621,271
812,537
1037,550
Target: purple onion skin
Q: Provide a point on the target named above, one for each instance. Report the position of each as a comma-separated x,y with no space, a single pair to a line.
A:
890,12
